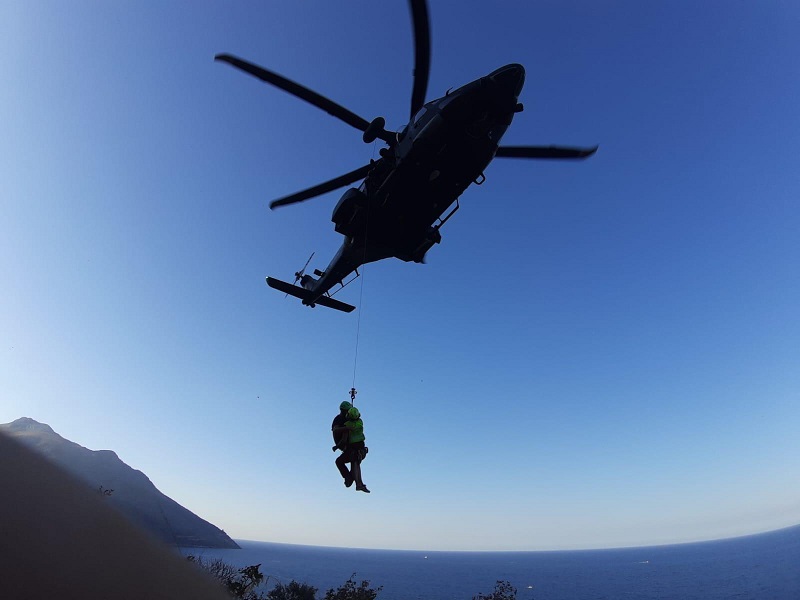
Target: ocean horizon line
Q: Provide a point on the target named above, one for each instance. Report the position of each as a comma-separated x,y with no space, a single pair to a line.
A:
518,550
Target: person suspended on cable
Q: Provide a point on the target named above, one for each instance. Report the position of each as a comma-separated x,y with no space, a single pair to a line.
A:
355,451
340,437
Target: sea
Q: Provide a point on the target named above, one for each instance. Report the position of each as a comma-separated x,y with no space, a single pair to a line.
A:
765,566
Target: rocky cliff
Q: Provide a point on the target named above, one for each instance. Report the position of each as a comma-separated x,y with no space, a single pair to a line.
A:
133,493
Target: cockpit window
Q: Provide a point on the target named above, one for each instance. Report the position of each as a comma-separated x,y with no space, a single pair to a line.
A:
419,114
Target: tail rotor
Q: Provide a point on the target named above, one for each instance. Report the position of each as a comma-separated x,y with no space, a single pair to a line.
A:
299,274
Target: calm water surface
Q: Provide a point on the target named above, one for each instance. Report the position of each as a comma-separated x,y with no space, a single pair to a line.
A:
764,566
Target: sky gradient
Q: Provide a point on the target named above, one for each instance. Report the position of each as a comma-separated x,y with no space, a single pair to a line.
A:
599,353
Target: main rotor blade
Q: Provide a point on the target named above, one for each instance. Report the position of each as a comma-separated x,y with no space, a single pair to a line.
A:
422,53
544,152
323,188
329,106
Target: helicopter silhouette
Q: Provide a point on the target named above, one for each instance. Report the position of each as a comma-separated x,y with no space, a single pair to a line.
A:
397,210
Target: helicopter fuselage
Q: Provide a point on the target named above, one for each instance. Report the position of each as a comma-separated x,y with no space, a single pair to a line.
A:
397,210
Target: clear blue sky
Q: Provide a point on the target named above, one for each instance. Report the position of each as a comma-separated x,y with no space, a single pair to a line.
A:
599,353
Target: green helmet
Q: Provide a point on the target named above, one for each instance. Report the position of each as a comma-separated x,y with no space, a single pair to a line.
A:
345,405
353,413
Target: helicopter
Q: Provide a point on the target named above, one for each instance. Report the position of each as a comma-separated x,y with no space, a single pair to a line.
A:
400,205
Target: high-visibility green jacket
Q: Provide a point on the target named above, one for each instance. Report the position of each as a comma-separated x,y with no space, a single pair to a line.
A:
356,431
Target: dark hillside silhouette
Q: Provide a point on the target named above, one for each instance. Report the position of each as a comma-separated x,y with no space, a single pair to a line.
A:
124,488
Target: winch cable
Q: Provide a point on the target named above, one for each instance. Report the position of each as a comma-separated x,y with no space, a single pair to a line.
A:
358,330
361,292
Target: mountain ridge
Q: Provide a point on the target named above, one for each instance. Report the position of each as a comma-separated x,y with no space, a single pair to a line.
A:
127,489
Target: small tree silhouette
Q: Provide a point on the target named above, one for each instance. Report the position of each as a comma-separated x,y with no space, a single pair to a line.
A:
503,590
350,591
240,583
292,591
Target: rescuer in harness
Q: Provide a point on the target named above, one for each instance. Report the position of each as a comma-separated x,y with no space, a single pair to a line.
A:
348,435
340,437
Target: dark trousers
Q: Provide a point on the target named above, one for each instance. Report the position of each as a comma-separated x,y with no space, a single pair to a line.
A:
341,463
349,455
